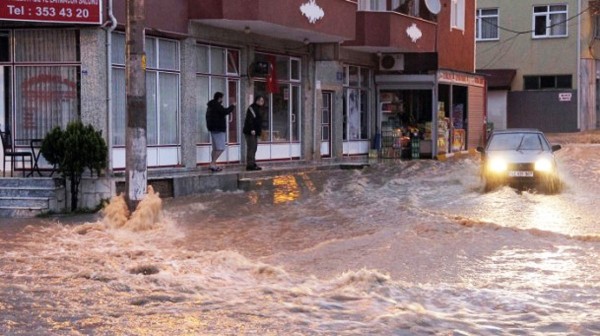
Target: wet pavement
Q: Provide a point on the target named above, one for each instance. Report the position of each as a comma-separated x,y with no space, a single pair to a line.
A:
396,248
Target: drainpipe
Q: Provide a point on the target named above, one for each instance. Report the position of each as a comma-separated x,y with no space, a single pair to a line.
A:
109,30
579,67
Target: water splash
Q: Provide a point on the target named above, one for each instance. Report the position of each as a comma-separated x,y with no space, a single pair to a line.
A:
147,215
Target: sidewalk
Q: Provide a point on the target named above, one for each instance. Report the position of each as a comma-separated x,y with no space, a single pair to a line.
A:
170,183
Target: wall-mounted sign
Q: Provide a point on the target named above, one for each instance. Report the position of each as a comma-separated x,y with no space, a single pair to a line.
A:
312,11
57,11
460,78
565,96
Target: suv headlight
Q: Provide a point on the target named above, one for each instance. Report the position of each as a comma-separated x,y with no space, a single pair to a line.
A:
497,165
543,165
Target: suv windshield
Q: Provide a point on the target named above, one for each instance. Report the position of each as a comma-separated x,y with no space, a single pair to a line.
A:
516,141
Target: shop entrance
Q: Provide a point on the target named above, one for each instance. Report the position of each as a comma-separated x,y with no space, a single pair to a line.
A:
406,123
326,123
452,108
233,149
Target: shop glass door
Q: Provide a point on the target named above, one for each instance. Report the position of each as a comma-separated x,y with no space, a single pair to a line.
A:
233,150
326,124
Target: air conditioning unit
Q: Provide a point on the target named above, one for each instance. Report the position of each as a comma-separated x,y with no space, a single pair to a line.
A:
391,62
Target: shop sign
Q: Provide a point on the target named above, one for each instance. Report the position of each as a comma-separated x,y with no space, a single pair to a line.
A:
57,11
460,78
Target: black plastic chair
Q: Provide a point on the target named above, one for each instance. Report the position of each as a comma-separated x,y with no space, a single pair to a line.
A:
11,154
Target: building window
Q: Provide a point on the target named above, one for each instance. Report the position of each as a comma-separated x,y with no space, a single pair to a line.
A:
162,91
547,82
281,86
356,103
372,5
550,21
217,70
596,21
486,24
457,14
44,66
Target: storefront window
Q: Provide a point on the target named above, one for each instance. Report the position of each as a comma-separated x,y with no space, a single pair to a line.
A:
356,103
296,108
217,64
281,108
281,121
4,46
405,109
233,61
407,115
260,88
217,70
162,91
46,74
295,69
353,76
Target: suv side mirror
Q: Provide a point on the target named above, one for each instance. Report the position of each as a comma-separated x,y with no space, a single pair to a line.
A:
556,147
481,150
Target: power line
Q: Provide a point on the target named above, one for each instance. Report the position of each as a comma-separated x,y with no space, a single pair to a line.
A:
517,32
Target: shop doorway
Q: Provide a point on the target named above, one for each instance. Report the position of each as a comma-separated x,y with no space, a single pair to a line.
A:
326,123
233,148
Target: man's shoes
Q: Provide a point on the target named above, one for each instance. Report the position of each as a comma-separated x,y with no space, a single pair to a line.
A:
215,169
255,167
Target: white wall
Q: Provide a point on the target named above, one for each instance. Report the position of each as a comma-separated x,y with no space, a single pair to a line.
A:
497,101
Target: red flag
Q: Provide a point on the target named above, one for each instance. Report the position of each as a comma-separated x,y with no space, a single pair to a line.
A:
272,85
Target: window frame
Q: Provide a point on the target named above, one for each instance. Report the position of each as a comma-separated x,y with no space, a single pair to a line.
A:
538,79
479,21
372,5
231,56
358,86
457,14
290,85
14,116
155,70
547,14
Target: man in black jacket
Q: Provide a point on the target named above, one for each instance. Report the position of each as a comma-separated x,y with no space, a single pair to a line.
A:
216,122
252,131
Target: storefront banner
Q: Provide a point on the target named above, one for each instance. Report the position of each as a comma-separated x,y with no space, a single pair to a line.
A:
450,77
57,11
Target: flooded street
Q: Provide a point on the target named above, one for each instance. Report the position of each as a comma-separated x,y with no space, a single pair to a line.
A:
398,248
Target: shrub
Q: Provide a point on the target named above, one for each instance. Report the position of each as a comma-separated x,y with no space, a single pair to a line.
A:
74,150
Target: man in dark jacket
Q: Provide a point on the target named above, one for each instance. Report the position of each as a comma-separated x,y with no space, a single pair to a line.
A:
252,131
216,122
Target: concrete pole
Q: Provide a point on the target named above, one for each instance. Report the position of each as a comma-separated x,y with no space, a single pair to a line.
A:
135,152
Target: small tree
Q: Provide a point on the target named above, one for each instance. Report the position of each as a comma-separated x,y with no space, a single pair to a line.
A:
73,150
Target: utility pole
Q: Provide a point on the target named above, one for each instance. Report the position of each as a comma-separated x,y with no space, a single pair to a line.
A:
135,152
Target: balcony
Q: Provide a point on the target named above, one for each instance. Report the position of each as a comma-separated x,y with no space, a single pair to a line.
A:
315,21
392,32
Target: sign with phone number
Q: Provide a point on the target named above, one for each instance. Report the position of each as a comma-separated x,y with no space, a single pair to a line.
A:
58,11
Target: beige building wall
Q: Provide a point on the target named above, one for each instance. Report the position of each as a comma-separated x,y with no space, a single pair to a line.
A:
517,49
